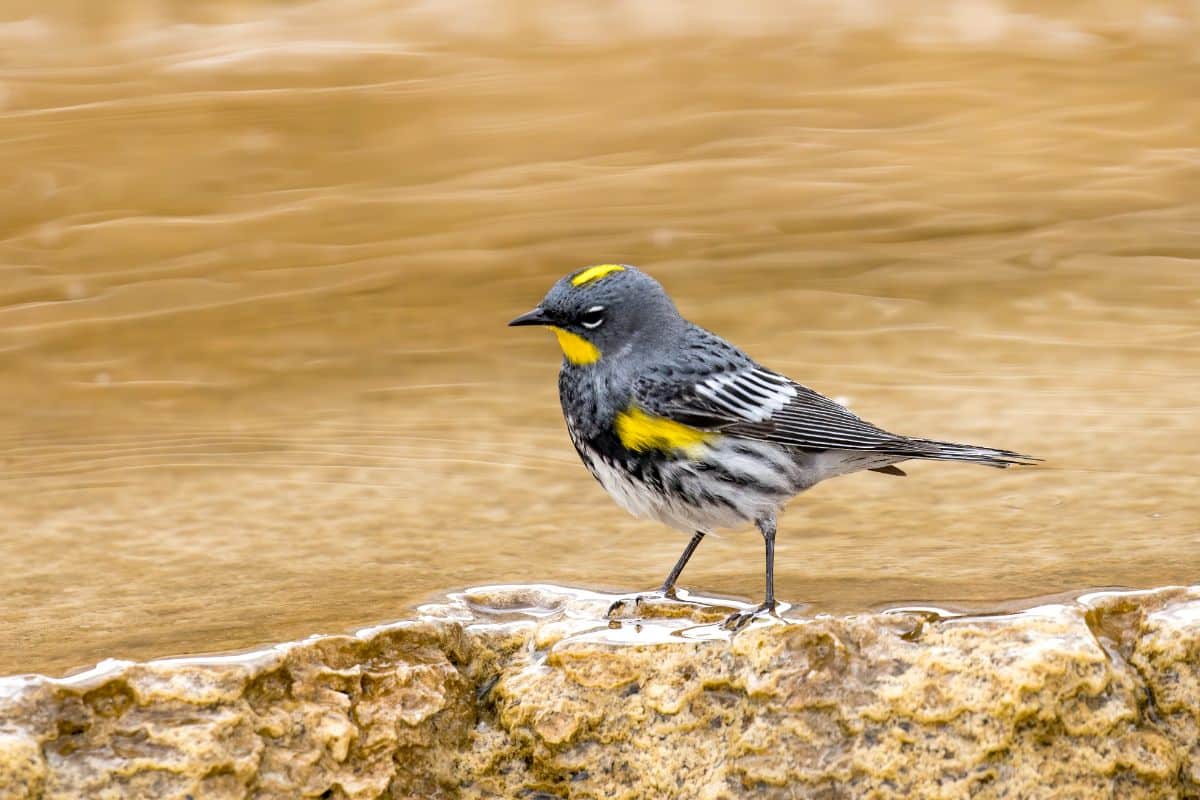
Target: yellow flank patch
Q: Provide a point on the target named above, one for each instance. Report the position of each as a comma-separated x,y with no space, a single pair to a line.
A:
579,351
595,273
640,431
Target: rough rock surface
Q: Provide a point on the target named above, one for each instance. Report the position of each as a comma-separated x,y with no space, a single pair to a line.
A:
527,692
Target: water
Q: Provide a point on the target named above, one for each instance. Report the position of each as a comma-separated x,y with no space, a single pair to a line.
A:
256,261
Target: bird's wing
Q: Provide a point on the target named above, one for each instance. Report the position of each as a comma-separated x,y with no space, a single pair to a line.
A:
744,399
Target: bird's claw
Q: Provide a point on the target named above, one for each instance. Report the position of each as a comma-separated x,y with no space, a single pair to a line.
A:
621,604
740,619
639,601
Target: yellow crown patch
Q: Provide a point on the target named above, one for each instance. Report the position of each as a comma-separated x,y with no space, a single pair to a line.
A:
595,273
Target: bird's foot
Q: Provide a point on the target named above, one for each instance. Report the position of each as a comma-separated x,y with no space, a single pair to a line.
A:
739,620
636,605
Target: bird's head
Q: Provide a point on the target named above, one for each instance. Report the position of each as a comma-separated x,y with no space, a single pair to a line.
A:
602,310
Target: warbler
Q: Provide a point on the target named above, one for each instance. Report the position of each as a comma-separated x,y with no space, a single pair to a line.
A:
680,426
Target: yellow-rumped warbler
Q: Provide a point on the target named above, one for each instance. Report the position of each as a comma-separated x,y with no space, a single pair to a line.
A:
682,427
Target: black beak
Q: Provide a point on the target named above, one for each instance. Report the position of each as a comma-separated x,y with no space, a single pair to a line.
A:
535,317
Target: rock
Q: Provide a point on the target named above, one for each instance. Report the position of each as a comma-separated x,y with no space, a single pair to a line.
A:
529,692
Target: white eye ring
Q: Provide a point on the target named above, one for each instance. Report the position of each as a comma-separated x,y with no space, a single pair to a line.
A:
597,323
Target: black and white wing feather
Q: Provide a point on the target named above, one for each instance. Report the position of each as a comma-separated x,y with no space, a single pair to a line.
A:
760,404
720,388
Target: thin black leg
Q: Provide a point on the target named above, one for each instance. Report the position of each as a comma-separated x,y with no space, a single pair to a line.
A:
668,587
667,590
735,622
767,527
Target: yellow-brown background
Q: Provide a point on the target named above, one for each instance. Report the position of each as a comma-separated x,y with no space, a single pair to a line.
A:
256,260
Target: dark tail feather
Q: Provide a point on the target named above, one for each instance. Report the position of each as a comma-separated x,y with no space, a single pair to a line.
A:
949,451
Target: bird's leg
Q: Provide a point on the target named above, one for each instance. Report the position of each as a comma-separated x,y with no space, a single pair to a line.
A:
768,531
735,622
668,587
667,590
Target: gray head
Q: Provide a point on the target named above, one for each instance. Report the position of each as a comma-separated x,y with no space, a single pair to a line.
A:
603,309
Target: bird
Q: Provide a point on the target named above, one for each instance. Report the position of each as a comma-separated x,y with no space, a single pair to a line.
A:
682,427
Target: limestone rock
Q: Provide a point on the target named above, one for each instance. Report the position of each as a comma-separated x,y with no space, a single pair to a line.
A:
529,692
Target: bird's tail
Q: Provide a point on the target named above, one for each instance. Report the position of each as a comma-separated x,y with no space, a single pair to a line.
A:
949,451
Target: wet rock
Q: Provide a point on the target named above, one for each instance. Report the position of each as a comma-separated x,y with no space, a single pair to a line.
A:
528,692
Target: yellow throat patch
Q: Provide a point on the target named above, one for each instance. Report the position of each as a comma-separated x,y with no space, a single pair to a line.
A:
640,431
595,273
579,351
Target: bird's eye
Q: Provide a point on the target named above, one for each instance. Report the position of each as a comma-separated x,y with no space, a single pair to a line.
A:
592,317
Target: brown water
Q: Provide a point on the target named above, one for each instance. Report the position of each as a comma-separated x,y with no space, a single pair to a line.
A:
256,261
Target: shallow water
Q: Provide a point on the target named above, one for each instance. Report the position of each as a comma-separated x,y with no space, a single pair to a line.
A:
255,265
